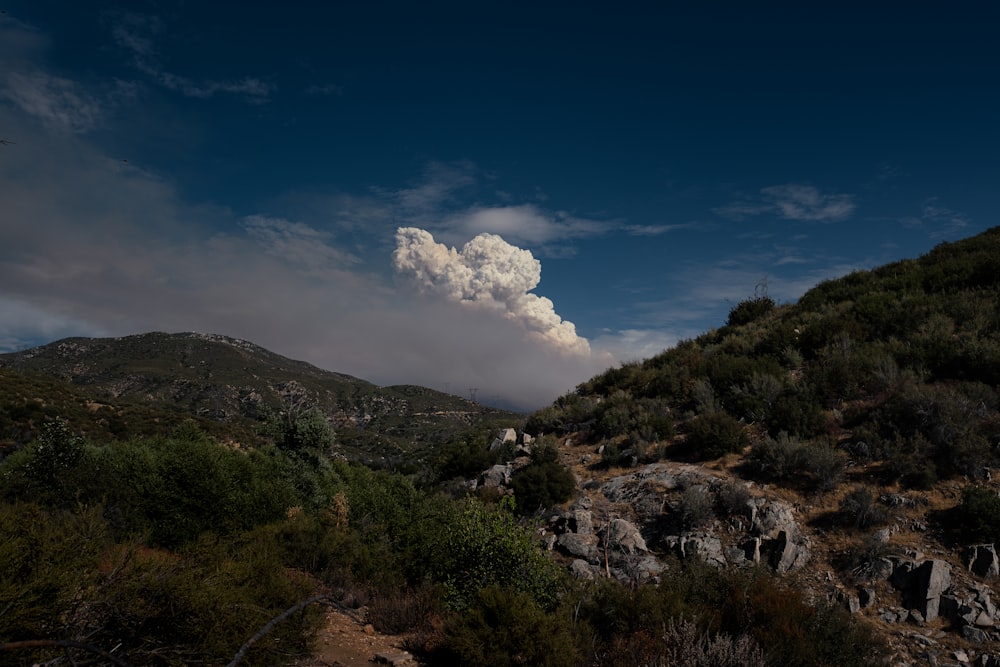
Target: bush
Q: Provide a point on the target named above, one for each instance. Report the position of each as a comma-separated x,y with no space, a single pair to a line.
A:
505,628
749,310
485,548
714,434
695,507
860,509
541,484
977,516
731,499
790,460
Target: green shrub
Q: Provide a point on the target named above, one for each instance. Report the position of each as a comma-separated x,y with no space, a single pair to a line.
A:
544,482
749,310
789,460
714,434
505,628
485,548
977,516
861,509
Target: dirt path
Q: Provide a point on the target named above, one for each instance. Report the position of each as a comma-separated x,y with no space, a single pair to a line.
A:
346,640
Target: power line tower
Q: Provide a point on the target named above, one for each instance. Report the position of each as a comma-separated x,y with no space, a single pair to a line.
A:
472,393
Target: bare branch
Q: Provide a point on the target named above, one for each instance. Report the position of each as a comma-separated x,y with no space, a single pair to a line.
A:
64,643
238,658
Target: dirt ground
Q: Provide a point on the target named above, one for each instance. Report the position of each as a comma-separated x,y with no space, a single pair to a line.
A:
346,640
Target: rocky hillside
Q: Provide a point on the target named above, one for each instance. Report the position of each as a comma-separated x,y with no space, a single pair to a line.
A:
847,441
126,383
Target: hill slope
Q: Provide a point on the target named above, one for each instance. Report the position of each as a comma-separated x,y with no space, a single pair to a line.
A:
159,376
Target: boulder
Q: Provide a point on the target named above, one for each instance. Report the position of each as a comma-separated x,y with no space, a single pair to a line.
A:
582,522
581,569
580,546
785,554
981,559
623,537
498,475
922,586
506,435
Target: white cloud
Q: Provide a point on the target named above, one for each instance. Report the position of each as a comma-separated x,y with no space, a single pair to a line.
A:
491,273
792,201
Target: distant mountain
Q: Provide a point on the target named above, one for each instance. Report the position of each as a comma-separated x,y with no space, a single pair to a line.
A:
222,381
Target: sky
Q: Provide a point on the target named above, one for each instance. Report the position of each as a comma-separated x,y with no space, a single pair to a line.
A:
499,199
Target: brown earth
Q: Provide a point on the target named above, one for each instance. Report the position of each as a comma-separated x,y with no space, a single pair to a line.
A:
347,640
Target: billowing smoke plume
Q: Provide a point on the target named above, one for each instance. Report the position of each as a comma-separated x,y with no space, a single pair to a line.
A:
489,272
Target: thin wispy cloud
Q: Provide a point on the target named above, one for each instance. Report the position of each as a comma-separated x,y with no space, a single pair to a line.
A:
322,89
791,201
303,246
655,230
137,34
62,104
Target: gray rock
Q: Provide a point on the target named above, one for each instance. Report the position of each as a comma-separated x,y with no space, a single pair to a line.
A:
498,475
581,569
974,634
623,537
926,585
785,554
394,658
580,546
774,518
707,548
506,435
981,559
866,597
582,522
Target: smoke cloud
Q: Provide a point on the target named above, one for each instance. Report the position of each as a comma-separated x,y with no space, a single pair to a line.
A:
487,272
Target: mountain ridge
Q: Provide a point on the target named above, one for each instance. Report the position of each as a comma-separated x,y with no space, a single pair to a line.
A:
218,378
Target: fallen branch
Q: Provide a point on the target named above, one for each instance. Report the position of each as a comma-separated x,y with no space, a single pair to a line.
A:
238,658
62,643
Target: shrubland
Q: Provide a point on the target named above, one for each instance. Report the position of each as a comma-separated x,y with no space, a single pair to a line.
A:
175,545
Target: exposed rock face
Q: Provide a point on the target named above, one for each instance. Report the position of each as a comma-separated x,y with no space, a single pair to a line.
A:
622,536
981,559
922,585
506,435
497,476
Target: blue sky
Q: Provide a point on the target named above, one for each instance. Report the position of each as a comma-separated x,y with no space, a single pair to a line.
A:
246,169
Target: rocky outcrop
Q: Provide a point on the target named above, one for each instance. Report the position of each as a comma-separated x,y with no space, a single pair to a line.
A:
981,560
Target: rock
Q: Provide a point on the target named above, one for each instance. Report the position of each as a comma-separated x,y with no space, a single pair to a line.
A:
653,479
497,476
623,537
776,517
579,546
922,639
506,435
960,656
704,547
395,658
866,597
582,522
581,569
926,585
785,555
974,634
981,559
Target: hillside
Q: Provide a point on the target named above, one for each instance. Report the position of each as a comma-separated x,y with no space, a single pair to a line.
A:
137,384
810,484
869,411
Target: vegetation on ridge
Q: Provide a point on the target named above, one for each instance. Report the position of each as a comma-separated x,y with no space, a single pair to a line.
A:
168,539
